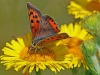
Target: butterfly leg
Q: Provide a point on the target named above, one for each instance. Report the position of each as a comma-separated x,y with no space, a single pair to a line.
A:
35,48
42,53
30,48
35,52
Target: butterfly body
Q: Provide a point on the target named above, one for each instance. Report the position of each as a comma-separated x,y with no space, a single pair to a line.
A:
44,29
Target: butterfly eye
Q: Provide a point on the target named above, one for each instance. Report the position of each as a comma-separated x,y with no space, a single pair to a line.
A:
34,43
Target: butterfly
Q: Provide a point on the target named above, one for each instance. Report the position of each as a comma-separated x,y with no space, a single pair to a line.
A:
43,27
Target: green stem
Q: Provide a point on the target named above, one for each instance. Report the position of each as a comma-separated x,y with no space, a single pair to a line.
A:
88,72
39,72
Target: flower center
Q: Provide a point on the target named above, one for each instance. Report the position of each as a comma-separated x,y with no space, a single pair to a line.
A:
74,47
40,55
93,5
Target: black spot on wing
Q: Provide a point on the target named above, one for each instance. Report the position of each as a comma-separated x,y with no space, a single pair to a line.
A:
32,21
48,39
32,27
52,37
31,13
31,6
56,27
54,23
52,20
37,21
35,16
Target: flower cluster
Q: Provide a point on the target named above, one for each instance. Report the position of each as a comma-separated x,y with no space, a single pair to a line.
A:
90,20
80,11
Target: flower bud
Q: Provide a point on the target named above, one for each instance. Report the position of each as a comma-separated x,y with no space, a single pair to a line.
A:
92,24
90,46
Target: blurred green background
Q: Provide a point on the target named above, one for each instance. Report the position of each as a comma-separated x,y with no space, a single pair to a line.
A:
14,22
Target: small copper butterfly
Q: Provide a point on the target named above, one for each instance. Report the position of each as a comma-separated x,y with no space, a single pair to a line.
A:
44,29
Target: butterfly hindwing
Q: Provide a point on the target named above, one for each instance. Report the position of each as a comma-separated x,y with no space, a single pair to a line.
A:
52,23
54,38
34,17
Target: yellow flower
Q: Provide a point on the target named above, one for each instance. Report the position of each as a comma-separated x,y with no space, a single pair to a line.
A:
17,55
77,35
83,8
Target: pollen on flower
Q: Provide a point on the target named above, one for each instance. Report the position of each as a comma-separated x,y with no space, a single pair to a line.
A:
73,45
93,5
31,56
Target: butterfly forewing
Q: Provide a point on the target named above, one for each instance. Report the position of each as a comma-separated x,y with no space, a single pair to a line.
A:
34,17
53,38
